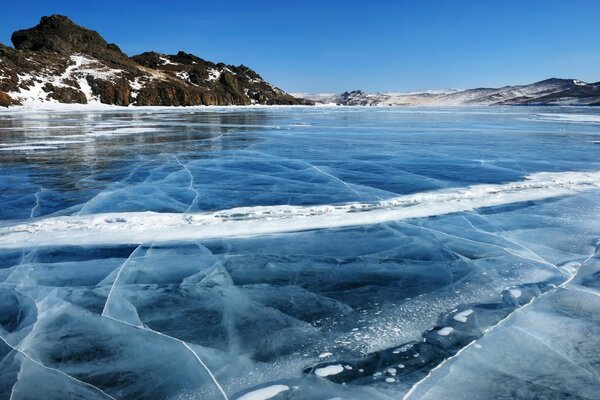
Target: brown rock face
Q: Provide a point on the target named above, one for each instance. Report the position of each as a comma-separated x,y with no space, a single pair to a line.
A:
6,100
117,92
73,64
64,94
59,34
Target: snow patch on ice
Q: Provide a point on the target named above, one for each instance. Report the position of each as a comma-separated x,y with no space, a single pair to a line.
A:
574,118
27,148
244,221
516,293
445,331
120,131
264,393
462,316
329,370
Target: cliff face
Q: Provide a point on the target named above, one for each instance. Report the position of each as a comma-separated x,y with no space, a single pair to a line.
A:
61,61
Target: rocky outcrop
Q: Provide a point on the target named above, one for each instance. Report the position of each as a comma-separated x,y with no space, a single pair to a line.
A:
59,34
6,100
61,61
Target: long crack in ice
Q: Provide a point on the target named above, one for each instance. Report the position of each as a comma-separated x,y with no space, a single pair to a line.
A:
138,227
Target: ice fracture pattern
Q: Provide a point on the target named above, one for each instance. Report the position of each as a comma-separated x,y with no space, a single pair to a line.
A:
300,253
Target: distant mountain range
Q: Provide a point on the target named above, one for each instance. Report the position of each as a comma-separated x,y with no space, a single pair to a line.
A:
60,61
548,92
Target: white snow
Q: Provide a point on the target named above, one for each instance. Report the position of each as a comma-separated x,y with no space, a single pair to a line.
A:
80,68
462,316
121,131
213,74
27,148
136,86
184,75
264,393
445,331
329,370
575,118
166,61
326,354
139,227
516,293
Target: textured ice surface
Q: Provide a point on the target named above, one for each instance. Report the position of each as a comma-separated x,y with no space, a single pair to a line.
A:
299,253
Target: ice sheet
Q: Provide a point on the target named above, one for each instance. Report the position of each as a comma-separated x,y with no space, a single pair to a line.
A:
316,253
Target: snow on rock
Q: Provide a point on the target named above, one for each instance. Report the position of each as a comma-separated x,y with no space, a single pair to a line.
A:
166,61
31,87
136,86
213,74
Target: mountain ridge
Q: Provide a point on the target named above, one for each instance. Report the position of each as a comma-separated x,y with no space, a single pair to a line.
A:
60,61
552,91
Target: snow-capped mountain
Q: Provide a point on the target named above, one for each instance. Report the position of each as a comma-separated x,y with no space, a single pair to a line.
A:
59,61
548,92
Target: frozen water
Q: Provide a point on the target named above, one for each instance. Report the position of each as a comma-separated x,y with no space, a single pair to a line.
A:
299,253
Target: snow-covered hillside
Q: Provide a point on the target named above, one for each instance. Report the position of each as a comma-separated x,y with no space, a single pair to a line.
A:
58,61
548,92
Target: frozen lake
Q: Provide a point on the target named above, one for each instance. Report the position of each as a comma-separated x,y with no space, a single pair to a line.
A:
300,253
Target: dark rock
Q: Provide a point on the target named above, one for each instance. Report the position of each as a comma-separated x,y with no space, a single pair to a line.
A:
6,100
165,94
59,34
109,92
232,87
46,52
68,95
148,59
71,82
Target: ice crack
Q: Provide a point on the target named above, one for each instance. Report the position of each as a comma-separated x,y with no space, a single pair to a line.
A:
191,187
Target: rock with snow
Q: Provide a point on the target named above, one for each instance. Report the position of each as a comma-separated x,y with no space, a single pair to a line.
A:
60,61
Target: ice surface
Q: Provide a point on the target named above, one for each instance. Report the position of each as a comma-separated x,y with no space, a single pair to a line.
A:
299,253
161,227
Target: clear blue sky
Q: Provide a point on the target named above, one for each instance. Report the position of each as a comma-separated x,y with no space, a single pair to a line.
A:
324,46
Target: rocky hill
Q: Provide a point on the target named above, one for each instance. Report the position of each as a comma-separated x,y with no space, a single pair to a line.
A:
60,61
548,92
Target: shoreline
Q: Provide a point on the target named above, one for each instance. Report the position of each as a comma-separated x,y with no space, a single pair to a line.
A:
62,107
